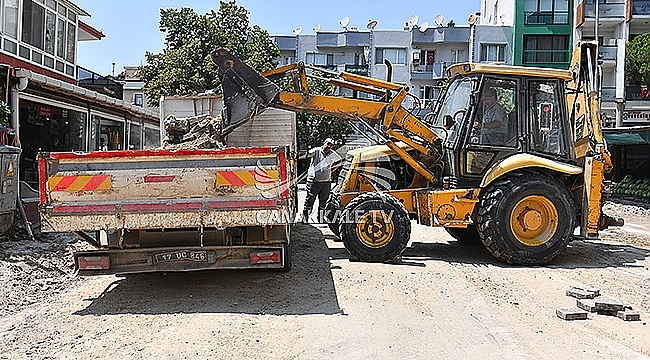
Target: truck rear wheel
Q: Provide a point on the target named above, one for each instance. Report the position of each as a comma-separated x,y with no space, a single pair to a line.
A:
333,212
375,227
526,218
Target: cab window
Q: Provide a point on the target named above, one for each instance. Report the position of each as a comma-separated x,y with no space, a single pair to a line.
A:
545,118
495,121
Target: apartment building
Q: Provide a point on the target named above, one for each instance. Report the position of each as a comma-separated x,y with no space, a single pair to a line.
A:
58,105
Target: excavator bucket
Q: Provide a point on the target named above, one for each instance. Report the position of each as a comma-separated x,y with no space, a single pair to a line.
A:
246,92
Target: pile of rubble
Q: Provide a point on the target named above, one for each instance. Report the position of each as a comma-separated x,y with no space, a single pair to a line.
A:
195,132
588,300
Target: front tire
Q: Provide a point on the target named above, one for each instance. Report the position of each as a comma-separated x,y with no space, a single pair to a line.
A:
526,218
333,212
375,227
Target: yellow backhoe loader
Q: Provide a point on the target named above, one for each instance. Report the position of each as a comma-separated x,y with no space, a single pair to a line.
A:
513,156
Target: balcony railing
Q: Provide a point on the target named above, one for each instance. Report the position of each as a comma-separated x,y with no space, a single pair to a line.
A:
605,11
428,71
327,67
546,56
546,17
607,52
357,69
641,7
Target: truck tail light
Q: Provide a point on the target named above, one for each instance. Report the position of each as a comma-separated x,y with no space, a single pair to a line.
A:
266,257
93,262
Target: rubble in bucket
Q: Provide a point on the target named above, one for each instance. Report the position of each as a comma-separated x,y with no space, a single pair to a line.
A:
195,132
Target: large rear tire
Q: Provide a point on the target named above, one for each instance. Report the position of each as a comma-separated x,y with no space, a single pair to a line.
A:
375,227
526,218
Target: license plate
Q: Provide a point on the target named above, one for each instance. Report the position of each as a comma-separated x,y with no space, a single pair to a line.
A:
182,255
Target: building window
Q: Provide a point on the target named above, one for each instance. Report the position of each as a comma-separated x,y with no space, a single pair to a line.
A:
50,32
457,55
60,37
546,49
138,99
11,19
318,59
395,56
429,94
493,53
546,12
33,24
70,49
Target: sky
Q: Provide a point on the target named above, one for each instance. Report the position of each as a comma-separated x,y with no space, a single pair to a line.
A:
131,26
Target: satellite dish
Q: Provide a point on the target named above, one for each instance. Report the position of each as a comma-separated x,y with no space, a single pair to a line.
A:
503,18
317,28
297,30
344,22
439,20
471,19
424,26
371,24
413,21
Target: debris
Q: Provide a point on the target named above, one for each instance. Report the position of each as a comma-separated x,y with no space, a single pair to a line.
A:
195,132
582,293
586,304
608,305
628,315
571,314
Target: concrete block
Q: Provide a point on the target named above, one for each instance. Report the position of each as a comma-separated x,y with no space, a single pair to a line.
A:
603,304
607,312
586,304
628,315
582,293
571,314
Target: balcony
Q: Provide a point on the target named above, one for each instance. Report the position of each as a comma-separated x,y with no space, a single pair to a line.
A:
357,69
102,84
442,34
342,39
605,11
607,52
428,71
546,56
633,93
608,93
546,18
641,7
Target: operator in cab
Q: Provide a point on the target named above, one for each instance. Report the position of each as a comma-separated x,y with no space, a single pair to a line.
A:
493,127
319,177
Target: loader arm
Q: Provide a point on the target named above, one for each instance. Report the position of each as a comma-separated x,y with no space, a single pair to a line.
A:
591,150
247,92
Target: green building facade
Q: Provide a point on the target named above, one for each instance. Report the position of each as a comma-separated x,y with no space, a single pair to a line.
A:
543,34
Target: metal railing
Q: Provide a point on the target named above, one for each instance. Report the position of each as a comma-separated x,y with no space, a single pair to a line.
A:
546,17
641,7
605,11
357,69
607,52
546,56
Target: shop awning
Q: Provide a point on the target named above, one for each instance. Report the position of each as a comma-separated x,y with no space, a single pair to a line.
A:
637,135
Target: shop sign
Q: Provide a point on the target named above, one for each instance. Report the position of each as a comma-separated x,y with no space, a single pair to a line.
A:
44,111
636,116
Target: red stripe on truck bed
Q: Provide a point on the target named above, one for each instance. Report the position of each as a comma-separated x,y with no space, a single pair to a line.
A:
179,152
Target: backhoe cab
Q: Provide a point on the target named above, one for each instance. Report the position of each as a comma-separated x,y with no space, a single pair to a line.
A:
511,156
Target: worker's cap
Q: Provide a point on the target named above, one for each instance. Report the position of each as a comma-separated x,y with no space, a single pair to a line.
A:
328,141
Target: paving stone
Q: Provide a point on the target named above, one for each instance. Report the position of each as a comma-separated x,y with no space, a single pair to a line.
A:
608,312
603,304
586,304
628,315
582,293
571,314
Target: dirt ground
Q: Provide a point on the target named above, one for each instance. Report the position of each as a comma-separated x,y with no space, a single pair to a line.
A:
444,300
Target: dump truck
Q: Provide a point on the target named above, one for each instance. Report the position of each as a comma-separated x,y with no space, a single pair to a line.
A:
511,156
182,209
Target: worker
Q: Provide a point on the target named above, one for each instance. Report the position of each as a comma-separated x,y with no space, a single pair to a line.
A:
319,177
493,128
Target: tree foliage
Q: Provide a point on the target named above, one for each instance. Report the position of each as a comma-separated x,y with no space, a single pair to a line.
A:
638,60
185,67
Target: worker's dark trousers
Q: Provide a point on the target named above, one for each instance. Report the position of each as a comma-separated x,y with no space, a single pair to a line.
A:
314,189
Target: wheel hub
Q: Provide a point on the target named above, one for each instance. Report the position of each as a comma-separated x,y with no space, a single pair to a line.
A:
534,220
375,229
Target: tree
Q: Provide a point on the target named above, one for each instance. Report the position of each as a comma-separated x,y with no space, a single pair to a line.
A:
638,60
185,67
313,129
